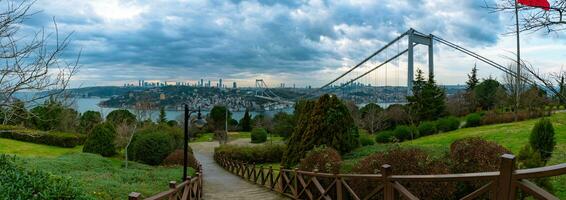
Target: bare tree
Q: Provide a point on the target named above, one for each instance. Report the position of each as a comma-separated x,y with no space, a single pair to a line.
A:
533,19
30,64
375,120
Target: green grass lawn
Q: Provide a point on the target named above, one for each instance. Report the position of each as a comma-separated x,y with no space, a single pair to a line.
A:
103,178
8,146
511,135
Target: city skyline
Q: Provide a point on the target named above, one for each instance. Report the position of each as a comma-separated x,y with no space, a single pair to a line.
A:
299,42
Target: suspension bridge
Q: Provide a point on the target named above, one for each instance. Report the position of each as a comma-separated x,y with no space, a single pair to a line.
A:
365,77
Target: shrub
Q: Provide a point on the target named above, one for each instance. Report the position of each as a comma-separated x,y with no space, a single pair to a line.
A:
53,138
427,128
258,135
101,140
268,153
88,121
448,124
176,158
471,155
366,140
121,116
324,159
473,120
542,138
404,161
475,155
529,158
151,148
403,133
20,183
385,137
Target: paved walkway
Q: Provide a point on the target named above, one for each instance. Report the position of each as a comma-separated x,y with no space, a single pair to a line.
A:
221,184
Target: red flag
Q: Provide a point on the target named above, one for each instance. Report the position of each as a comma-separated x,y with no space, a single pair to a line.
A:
536,3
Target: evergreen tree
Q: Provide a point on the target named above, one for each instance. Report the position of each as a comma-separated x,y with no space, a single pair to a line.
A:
89,120
472,80
246,122
218,116
486,93
427,101
542,138
326,122
162,116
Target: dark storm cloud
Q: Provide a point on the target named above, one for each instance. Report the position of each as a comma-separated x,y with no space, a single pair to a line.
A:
264,37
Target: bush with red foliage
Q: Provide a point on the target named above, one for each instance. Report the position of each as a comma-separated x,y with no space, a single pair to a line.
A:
470,155
475,155
176,158
493,117
404,161
324,159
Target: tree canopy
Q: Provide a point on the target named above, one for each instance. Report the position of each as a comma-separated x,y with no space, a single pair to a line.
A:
427,101
327,122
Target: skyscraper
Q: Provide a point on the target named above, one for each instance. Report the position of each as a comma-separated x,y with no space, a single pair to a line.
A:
234,85
220,83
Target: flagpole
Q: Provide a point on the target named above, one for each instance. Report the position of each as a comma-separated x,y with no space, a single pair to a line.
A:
518,79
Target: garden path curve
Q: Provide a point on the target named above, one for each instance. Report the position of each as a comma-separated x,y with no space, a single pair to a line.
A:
221,184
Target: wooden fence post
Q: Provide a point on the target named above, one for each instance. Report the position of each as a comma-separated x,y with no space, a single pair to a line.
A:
339,192
505,186
270,176
295,184
388,190
134,196
280,181
172,186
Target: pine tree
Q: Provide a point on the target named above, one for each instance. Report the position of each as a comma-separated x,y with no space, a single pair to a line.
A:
246,121
324,122
427,101
472,79
162,116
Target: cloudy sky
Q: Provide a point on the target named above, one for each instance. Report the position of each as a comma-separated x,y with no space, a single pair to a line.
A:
302,42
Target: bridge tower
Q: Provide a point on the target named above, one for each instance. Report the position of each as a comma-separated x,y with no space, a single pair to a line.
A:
259,89
414,39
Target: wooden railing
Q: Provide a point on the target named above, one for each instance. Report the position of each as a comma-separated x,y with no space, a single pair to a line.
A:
296,184
190,189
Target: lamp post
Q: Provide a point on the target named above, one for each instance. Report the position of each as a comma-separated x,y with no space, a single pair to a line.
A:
199,123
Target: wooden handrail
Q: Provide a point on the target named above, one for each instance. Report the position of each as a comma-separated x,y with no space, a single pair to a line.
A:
189,189
298,184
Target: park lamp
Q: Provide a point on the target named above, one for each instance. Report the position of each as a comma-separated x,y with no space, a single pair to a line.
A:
199,122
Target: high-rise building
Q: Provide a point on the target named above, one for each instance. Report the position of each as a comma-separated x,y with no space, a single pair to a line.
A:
201,83
220,83
209,85
234,85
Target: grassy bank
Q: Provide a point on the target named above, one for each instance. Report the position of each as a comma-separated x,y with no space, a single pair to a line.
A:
512,136
103,178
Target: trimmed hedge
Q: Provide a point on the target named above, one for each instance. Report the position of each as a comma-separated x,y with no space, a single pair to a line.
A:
403,133
258,135
53,138
427,128
448,124
268,153
151,148
366,140
385,137
473,120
